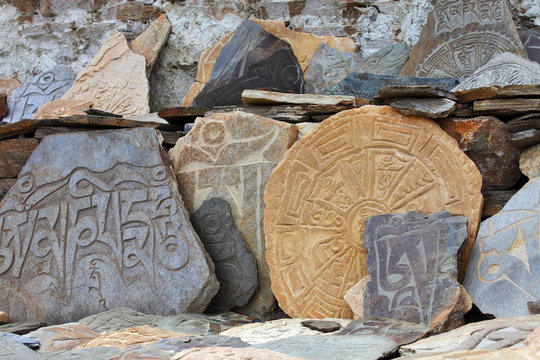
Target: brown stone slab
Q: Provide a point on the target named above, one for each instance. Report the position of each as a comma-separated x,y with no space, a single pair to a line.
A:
421,91
507,107
262,97
13,155
3,106
150,42
356,164
524,139
181,114
525,122
491,92
495,200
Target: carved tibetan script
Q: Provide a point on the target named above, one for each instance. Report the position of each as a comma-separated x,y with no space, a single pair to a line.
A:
99,228
356,164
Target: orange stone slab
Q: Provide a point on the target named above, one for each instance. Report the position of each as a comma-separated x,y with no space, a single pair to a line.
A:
57,108
150,42
356,164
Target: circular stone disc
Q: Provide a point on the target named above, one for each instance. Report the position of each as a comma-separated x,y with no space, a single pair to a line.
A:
356,164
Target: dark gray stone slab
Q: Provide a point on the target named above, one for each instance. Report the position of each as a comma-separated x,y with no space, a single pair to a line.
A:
13,350
412,259
531,40
236,268
325,326
367,86
26,341
402,332
119,319
50,85
435,108
21,328
200,324
101,224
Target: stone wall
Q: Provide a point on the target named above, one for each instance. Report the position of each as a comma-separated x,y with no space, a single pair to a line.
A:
38,34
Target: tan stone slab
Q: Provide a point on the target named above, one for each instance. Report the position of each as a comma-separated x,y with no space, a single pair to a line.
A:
150,42
57,108
8,85
507,106
262,97
192,92
231,156
225,353
355,297
356,164
114,80
522,353
529,161
495,91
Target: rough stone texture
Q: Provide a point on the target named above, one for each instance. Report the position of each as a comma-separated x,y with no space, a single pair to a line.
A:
498,91
235,265
114,185
119,319
231,156
63,337
413,91
21,328
347,347
355,297
483,335
486,141
12,350
8,85
402,332
505,259
325,326
434,108
397,164
261,332
305,128
459,37
98,353
367,86
4,317
150,42
3,106
25,101
507,107
175,345
227,353
203,325
114,80
529,162
261,97
28,342
522,353
531,41
526,138
412,260
57,108
13,155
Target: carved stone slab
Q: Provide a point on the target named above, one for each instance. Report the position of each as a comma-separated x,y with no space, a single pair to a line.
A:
236,267
354,165
57,108
505,262
461,36
231,156
402,332
63,337
227,353
25,101
531,41
114,80
99,228
150,42
118,319
412,260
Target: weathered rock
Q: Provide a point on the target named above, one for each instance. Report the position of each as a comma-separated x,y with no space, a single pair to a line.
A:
355,297
388,60
150,42
235,265
526,138
367,86
413,91
347,347
507,107
50,85
56,108
8,85
3,106
412,260
434,108
402,332
4,318
483,335
486,140
26,341
529,162
356,164
63,337
5,185
114,205
494,201
178,345
325,326
12,350
459,37
261,332
97,353
203,325
227,353
505,259
13,155
305,128
231,156
21,328
119,319
531,42
496,91
261,97
525,122
114,80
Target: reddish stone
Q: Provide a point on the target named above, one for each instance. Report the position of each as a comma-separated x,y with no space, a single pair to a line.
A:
26,5
13,155
3,106
137,11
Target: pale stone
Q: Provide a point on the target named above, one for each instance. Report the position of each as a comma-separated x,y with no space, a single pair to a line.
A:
150,42
57,108
4,318
262,97
522,353
192,92
231,156
201,324
402,332
356,164
12,350
118,319
110,198
114,80
305,128
97,353
8,85
355,297
227,353
529,161
63,337
504,266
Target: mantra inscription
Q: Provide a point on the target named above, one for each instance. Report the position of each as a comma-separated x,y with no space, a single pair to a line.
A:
456,14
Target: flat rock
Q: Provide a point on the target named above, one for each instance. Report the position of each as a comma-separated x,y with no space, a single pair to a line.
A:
495,200
231,156
8,85
412,259
483,335
347,347
531,42
434,108
114,80
178,345
507,107
201,324
50,85
61,107
118,319
21,328
13,155
355,297
505,259
402,332
13,350
63,337
227,353
522,353
90,202
97,353
525,122
152,39
261,97
486,141
28,342
367,86
412,91
397,163
529,161
526,138
497,91
459,37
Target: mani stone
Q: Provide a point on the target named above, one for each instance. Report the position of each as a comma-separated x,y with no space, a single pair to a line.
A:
504,266
201,324
402,332
63,337
356,164
434,108
13,155
50,85
95,221
412,260
232,156
529,162
114,80
58,108
531,41
228,353
235,265
150,42
118,319
3,106
461,36
367,86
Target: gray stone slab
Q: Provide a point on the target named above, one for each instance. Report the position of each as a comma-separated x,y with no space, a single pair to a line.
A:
26,341
201,324
348,347
388,60
97,353
118,319
21,328
50,85
503,272
531,40
236,269
402,332
412,260
435,108
13,350
325,326
101,224
178,345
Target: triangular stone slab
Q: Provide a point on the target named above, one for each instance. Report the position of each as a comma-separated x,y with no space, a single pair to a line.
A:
531,41
95,221
356,164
